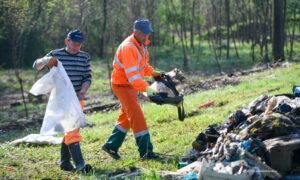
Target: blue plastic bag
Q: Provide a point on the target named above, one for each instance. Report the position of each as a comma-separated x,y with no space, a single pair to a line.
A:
190,176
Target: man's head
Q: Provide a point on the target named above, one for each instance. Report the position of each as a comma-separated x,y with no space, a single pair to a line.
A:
74,41
142,29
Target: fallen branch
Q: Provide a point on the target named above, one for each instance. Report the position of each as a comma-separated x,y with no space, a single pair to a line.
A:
102,108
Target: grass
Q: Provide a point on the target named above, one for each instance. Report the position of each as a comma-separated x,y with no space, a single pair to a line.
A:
169,136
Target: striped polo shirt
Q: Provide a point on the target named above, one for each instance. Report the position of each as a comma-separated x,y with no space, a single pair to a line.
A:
77,66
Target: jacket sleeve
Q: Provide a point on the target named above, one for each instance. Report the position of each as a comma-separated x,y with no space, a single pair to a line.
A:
148,70
131,68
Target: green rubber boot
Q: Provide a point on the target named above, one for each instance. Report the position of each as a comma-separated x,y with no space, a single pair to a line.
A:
145,147
114,142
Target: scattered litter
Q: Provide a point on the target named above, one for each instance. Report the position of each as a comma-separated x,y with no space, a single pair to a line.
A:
208,104
191,167
258,141
190,176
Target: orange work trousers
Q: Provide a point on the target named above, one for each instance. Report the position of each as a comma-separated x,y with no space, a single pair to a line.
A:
131,112
73,136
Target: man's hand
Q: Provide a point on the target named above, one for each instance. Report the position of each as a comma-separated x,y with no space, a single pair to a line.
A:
52,62
49,61
80,95
85,86
150,91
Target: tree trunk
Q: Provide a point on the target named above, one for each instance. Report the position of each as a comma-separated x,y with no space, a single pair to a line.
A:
219,31
185,59
151,11
227,10
235,47
103,29
15,42
265,34
213,47
153,54
199,40
278,30
252,50
22,92
180,32
292,36
192,25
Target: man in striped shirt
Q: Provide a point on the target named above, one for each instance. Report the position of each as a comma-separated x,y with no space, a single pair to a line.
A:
77,65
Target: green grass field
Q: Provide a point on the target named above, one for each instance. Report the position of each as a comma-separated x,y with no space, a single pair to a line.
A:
169,135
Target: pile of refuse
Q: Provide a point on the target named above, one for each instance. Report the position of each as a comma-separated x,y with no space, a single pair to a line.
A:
259,141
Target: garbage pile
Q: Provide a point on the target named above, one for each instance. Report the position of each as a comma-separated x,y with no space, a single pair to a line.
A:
261,140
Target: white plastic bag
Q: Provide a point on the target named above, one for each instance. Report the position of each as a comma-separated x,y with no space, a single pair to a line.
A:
63,112
38,139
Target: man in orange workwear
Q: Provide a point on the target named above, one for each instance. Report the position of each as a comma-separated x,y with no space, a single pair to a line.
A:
130,66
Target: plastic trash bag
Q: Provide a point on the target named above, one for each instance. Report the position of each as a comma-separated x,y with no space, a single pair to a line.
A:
190,176
63,112
38,139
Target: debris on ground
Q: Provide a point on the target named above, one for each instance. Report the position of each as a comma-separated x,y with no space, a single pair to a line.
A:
261,140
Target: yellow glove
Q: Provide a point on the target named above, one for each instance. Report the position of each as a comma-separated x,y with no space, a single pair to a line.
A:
157,74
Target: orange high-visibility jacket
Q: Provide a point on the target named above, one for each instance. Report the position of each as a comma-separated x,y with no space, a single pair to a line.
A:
131,64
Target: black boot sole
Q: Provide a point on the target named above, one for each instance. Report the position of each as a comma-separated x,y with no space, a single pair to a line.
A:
116,157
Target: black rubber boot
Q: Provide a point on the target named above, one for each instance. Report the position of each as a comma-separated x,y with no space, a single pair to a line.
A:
65,158
78,159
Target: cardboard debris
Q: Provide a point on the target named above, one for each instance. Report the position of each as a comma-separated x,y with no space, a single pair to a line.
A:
283,150
264,169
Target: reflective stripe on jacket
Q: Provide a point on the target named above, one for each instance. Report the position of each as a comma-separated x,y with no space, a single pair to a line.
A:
131,64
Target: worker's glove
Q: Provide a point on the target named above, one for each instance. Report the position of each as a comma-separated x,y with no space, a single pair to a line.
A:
150,91
52,62
156,74
49,61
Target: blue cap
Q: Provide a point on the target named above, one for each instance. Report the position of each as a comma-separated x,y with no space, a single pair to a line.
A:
143,25
76,36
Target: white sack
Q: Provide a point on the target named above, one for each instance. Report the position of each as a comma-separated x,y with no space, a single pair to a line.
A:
63,112
38,139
